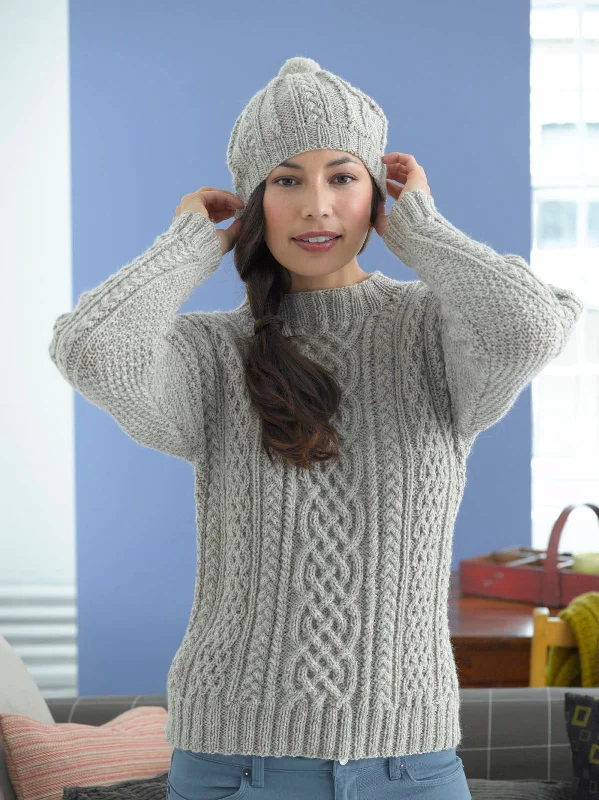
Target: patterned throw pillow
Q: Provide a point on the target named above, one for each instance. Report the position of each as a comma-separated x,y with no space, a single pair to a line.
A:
42,759
582,724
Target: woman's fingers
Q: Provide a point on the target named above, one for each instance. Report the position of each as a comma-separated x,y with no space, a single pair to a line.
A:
221,197
220,203
393,189
399,158
397,169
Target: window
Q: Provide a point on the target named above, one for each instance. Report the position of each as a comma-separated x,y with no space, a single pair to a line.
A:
564,85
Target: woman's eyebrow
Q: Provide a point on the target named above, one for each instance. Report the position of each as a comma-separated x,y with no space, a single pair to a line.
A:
335,163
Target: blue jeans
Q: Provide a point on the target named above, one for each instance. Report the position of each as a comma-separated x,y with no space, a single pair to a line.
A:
213,776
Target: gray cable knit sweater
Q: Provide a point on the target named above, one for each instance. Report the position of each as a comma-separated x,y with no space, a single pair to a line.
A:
319,626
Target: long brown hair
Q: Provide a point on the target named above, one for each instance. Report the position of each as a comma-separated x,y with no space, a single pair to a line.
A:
294,395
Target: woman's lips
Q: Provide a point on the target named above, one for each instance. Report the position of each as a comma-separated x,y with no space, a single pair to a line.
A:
317,247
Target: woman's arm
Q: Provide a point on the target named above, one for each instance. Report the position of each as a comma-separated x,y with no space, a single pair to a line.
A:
500,324
125,348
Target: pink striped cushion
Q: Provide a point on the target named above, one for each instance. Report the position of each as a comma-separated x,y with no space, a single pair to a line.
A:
43,758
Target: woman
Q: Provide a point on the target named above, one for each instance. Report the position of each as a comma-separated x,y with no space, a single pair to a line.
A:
328,419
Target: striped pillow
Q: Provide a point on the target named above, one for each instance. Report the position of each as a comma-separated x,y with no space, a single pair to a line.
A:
42,758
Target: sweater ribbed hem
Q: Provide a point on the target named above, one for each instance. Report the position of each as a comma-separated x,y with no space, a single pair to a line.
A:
202,724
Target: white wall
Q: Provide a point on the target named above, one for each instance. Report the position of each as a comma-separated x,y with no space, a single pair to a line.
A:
37,507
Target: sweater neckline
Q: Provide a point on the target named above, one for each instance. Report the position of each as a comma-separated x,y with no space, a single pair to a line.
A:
322,309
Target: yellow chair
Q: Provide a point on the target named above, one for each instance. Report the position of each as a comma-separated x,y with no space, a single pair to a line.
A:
547,631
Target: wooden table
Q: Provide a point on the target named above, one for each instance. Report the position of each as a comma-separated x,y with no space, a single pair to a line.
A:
491,638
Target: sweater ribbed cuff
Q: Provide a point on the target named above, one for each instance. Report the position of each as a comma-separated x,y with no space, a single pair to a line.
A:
413,209
198,232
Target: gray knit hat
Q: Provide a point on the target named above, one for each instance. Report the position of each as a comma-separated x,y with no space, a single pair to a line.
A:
304,108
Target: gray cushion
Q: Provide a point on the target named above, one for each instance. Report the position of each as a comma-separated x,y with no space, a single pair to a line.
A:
482,789
139,789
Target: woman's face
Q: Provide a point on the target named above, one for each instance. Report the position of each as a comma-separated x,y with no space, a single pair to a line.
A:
317,195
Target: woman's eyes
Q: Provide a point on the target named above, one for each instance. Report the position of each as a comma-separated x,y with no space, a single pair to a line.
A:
336,176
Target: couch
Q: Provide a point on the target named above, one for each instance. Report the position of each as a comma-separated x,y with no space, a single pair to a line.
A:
508,734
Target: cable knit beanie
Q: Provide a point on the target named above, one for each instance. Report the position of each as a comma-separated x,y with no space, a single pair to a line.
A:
304,108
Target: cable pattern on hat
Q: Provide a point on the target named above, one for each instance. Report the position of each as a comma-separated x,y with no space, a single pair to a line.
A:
342,96
309,101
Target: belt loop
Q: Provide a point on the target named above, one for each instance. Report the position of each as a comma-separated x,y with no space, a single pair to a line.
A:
257,771
394,768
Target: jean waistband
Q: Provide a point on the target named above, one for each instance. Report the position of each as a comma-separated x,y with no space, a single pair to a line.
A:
302,762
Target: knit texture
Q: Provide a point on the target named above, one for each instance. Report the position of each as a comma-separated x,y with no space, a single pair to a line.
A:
304,108
319,626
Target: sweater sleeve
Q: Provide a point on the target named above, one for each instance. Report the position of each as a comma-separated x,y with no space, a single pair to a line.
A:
127,351
499,323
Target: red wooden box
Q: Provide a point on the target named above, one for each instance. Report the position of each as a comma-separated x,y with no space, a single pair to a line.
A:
539,577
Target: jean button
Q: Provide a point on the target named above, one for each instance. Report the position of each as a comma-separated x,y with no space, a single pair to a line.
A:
343,760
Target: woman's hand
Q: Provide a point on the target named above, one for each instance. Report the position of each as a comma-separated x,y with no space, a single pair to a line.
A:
404,169
217,205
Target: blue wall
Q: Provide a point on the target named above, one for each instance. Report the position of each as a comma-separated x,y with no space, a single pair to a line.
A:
155,90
